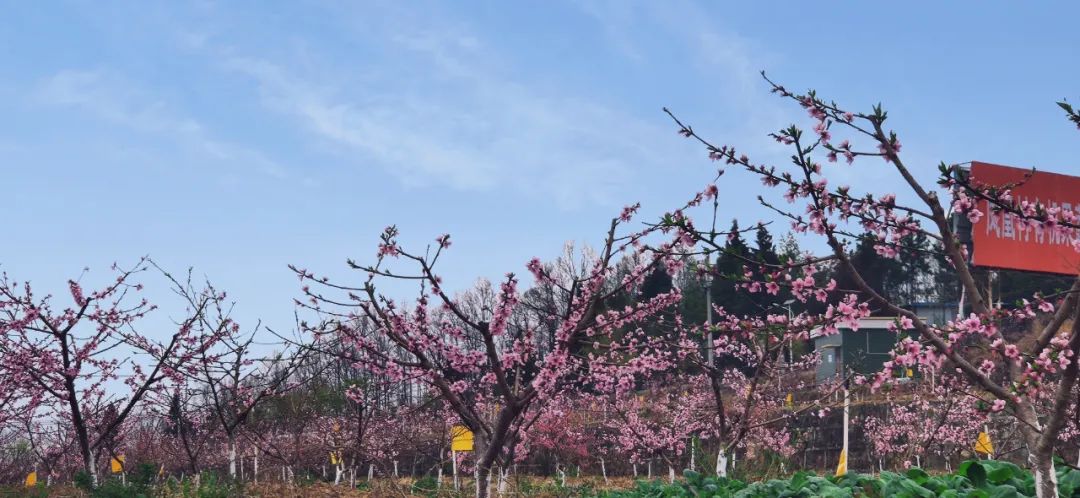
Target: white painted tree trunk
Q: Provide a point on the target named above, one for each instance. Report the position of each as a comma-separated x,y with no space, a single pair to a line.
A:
1041,465
503,474
603,470
635,471
453,468
395,469
232,458
91,465
370,471
482,480
255,471
721,462
671,474
1046,485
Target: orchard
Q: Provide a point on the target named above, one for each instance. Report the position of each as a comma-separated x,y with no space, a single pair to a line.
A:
672,353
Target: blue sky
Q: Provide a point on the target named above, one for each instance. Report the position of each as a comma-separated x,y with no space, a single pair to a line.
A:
240,137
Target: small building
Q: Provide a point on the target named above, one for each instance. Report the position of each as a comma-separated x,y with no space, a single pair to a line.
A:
935,313
863,351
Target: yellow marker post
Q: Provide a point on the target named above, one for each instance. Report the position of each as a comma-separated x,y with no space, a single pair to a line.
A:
461,439
983,444
841,467
31,479
789,401
117,464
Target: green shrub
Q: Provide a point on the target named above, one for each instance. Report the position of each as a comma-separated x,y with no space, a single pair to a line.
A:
208,487
426,486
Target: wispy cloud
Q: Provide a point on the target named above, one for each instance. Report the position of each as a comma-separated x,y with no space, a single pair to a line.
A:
116,100
465,123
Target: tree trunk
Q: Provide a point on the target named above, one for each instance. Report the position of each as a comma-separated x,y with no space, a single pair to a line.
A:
504,475
483,478
1046,485
232,457
1040,458
90,465
721,462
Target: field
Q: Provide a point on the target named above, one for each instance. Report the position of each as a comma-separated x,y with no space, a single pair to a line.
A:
973,479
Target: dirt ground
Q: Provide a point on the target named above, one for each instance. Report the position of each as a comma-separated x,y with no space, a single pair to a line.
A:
532,487
519,486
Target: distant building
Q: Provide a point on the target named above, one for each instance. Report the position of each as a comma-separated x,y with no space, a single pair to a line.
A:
863,351
935,313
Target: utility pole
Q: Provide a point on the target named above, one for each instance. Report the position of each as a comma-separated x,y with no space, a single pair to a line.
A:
709,355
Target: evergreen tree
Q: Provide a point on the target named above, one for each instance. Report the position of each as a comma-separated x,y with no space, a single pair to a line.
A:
874,269
657,282
729,269
765,253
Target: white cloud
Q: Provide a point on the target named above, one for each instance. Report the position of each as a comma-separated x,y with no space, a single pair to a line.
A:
444,112
116,100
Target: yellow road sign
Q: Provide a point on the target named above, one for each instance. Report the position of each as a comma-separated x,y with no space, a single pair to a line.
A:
117,464
461,438
31,479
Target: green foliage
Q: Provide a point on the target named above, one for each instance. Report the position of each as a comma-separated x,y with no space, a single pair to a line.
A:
208,486
425,486
973,479
142,483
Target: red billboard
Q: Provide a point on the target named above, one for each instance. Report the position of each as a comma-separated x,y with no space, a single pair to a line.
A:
1001,241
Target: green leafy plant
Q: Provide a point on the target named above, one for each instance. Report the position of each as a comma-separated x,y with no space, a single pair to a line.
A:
973,479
